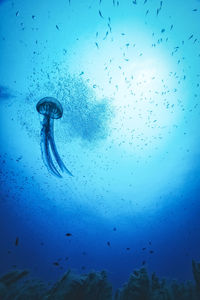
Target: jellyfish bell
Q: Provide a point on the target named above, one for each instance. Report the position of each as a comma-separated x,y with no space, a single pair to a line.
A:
51,109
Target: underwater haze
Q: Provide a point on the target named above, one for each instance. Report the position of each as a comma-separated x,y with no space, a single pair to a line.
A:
127,75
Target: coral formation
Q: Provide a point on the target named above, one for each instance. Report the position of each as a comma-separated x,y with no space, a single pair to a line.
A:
95,286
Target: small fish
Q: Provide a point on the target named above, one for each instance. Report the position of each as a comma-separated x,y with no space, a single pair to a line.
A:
145,1
109,27
17,13
114,229
163,30
108,243
105,35
101,14
16,241
81,73
128,249
147,12
97,45
171,27
97,34
195,9
144,248
68,234
144,262
134,2
190,37
19,158
55,263
151,251
57,27
33,17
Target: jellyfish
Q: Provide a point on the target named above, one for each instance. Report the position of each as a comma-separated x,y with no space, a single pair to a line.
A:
51,109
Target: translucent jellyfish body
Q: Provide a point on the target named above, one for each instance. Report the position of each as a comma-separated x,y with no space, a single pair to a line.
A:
51,109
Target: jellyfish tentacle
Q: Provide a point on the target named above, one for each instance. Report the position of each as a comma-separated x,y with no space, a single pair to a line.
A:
52,109
55,151
45,147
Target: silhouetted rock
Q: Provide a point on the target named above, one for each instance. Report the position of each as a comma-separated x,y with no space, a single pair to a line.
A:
83,287
13,286
196,274
12,277
159,290
17,285
142,287
137,288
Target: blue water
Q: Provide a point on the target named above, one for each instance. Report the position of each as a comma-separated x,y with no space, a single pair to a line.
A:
128,78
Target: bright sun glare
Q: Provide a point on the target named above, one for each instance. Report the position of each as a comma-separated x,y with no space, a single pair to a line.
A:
141,83
142,94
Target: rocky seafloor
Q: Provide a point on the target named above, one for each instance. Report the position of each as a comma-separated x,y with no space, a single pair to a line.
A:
17,285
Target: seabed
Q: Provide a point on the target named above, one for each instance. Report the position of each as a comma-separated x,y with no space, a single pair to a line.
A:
17,285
